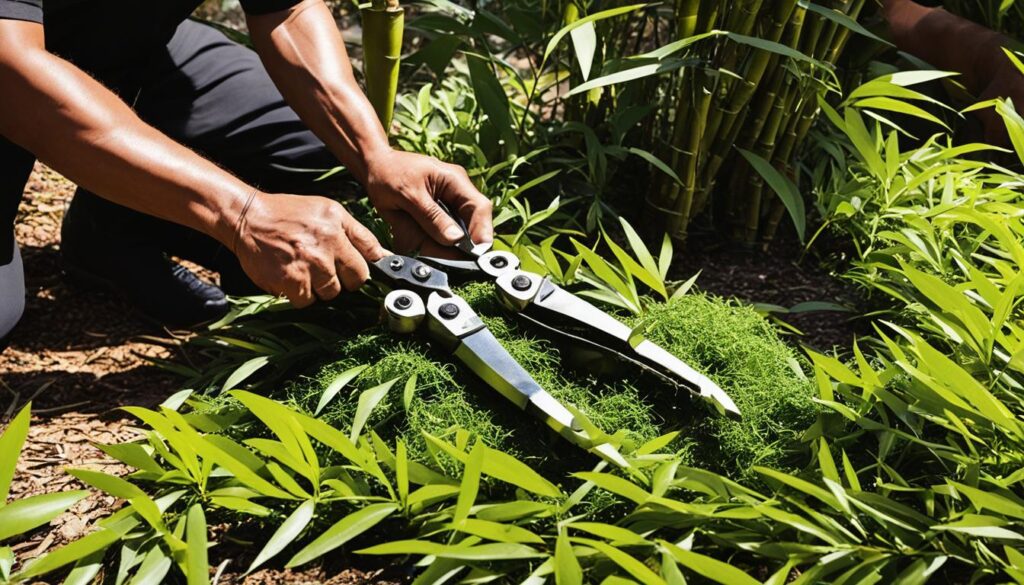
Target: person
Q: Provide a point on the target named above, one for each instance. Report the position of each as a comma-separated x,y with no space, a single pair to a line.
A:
951,43
184,143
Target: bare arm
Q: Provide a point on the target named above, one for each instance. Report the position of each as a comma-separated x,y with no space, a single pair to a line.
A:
305,55
291,245
68,120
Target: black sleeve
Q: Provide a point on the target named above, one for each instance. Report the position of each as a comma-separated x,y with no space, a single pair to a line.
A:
262,6
30,10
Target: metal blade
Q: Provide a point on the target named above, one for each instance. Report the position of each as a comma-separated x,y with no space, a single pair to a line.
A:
555,303
482,352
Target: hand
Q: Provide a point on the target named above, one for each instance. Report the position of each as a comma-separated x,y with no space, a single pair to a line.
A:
304,247
405,188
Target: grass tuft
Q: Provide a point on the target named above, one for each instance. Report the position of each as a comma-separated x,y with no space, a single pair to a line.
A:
734,345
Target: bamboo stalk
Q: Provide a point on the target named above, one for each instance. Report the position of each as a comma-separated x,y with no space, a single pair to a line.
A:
383,23
691,157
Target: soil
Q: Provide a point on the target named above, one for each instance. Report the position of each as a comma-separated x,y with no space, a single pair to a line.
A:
778,279
79,355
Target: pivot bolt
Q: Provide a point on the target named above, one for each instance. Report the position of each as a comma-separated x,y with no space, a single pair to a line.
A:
522,283
403,302
396,264
499,261
448,311
421,272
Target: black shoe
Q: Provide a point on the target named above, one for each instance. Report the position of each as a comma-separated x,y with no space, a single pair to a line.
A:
98,256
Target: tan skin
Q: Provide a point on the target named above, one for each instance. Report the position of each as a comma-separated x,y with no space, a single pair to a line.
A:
301,247
952,43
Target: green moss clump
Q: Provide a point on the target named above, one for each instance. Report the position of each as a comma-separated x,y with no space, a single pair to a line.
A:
742,353
734,345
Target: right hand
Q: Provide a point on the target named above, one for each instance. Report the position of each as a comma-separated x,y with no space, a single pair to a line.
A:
304,248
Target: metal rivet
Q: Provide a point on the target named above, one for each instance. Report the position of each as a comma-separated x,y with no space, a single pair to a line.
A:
522,283
397,264
499,262
403,302
421,272
448,311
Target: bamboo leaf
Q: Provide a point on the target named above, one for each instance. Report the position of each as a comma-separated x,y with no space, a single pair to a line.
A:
10,448
584,43
243,372
409,392
567,567
339,382
784,188
368,400
71,553
616,485
841,19
496,531
120,488
708,567
285,534
343,531
560,34
20,516
196,564
470,483
628,563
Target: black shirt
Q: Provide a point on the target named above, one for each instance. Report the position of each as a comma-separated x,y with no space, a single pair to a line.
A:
113,39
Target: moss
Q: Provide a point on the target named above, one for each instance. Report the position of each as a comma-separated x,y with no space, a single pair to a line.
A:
742,353
733,344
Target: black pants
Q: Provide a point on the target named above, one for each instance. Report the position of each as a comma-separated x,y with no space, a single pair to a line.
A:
214,96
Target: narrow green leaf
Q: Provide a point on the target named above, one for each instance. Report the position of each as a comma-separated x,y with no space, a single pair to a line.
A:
285,534
196,564
243,372
470,483
560,34
567,567
708,567
10,448
343,531
368,400
630,564
784,188
336,384
73,552
20,516
409,392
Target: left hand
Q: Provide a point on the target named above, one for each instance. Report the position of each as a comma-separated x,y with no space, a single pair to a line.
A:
405,188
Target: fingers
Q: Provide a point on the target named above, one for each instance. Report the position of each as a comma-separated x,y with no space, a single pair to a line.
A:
406,234
432,218
362,239
351,265
472,206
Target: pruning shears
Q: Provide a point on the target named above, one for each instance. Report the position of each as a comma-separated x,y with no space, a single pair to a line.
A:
420,293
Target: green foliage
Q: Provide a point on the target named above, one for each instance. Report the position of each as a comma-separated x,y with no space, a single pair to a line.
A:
19,517
939,241
726,74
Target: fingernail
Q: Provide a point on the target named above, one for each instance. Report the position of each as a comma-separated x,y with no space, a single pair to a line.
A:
453,232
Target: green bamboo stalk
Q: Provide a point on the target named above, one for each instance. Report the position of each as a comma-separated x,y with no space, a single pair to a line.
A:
682,205
756,67
765,148
743,20
383,22
687,15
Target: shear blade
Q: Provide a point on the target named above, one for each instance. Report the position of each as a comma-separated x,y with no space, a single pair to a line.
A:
485,355
553,303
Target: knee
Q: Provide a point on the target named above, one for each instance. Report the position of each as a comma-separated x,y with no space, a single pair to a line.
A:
12,294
